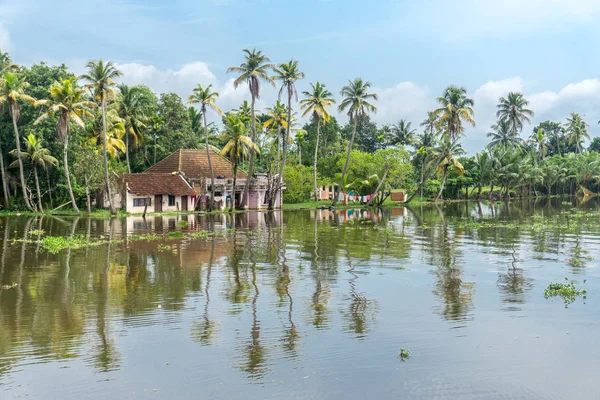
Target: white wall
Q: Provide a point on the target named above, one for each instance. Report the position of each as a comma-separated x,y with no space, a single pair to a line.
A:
165,202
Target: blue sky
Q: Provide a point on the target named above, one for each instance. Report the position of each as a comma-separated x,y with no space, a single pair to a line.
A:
410,50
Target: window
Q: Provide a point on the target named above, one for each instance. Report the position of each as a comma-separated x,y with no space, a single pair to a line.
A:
171,200
141,202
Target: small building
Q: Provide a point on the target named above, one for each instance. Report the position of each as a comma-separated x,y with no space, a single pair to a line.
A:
161,192
191,166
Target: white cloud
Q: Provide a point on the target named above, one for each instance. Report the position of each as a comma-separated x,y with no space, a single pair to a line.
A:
405,100
5,40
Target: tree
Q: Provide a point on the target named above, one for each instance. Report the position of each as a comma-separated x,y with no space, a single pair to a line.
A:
299,141
447,152
101,79
356,103
238,148
276,125
132,109
115,131
66,100
595,145
252,71
6,65
206,98
455,108
485,170
288,74
195,119
12,93
430,124
502,135
577,132
317,102
402,134
512,110
538,139
37,156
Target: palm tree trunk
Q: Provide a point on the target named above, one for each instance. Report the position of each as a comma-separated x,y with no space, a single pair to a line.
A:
127,151
108,192
341,187
252,153
49,188
283,151
88,202
154,147
440,194
422,176
67,173
387,167
232,205
18,143
37,188
429,172
4,184
479,191
210,167
316,155
491,191
299,154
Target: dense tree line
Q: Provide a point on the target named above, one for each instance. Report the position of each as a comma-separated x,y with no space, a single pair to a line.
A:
65,138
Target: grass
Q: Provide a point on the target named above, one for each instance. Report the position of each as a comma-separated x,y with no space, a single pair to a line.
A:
164,247
566,290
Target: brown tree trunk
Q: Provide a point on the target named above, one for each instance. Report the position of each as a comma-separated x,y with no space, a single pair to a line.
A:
37,188
252,154
440,194
20,159
341,187
66,163
316,155
283,151
210,167
4,184
108,192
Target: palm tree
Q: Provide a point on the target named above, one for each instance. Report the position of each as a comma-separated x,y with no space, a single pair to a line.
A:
66,100
512,109
402,134
206,98
101,79
485,170
502,135
252,71
288,74
447,152
195,119
12,93
277,125
455,108
316,102
132,108
299,141
37,155
355,101
238,148
539,140
115,131
6,64
156,122
577,131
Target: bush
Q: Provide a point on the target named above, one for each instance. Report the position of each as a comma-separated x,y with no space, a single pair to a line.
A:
298,182
432,187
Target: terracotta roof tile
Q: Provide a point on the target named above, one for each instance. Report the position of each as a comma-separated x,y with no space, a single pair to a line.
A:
150,184
194,164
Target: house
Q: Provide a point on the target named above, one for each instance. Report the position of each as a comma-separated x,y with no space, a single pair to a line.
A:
191,167
161,192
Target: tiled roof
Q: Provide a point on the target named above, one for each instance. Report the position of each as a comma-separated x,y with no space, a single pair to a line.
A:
194,165
150,184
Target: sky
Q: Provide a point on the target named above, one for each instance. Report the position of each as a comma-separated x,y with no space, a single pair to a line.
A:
409,50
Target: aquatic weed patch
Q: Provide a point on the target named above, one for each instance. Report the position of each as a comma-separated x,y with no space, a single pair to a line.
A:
566,290
55,244
404,354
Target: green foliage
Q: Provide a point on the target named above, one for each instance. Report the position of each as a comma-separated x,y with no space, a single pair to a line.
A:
404,354
299,183
567,291
55,244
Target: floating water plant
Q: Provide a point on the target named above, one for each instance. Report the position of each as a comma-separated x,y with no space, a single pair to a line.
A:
566,290
164,247
404,354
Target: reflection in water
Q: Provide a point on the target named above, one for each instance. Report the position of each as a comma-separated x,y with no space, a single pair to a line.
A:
277,296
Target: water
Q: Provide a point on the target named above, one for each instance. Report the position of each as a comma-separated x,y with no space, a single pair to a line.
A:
305,305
